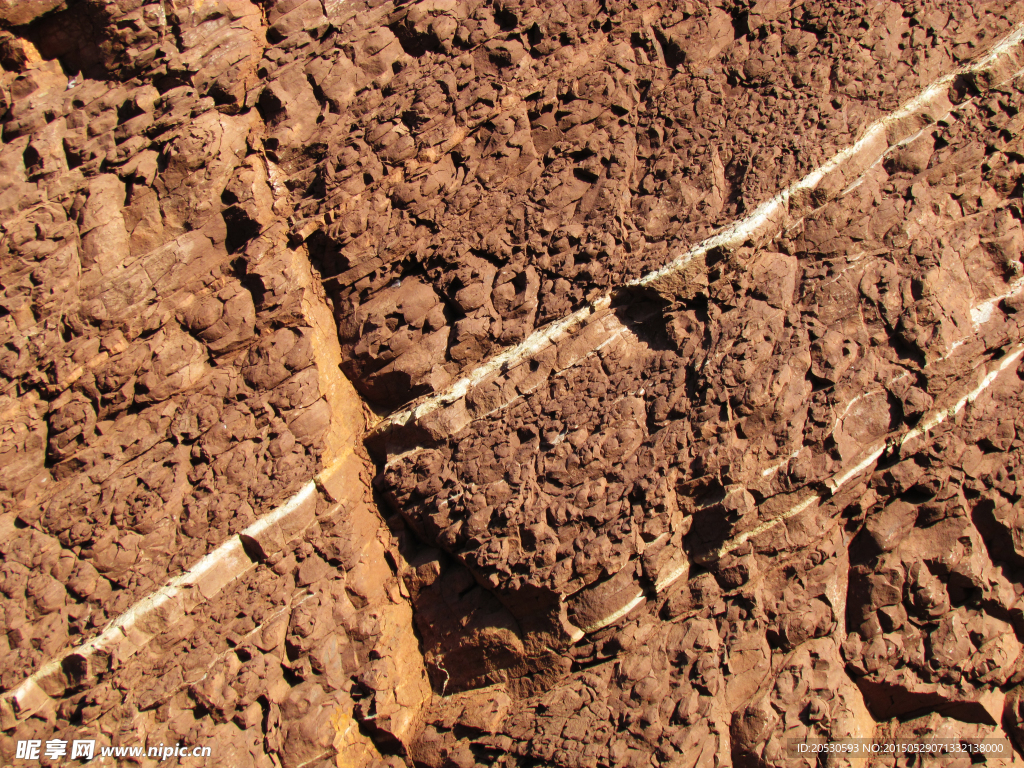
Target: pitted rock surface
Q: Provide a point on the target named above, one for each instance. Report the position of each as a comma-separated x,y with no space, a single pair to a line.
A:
520,163
774,494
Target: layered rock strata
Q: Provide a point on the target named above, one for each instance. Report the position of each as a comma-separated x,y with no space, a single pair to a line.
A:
787,417
171,570
645,497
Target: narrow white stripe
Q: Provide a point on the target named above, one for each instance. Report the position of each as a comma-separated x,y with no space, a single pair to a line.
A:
615,616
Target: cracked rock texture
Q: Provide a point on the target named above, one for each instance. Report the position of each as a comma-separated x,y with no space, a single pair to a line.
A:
775,493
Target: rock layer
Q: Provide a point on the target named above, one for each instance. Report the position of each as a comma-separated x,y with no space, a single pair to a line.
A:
699,354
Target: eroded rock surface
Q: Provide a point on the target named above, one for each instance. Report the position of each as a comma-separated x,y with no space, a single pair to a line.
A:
625,508
788,448
513,163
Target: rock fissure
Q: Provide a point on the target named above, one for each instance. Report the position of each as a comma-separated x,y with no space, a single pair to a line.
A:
630,507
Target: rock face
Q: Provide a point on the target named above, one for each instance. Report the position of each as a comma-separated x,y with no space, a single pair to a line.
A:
460,383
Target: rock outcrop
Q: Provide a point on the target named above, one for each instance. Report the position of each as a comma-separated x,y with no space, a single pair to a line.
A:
458,383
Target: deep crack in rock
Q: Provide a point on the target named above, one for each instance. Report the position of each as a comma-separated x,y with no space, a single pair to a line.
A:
456,383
